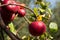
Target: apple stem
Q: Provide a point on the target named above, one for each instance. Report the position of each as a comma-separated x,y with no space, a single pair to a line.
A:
22,6
27,20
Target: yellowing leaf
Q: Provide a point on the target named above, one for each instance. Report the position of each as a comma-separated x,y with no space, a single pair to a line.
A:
39,18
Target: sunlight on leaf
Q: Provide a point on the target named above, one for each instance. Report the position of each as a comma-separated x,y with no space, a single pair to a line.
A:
12,28
36,11
41,10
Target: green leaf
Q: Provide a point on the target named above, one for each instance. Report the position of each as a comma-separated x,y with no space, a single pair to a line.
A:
36,11
42,4
50,37
47,4
42,36
24,37
41,10
49,10
12,28
53,27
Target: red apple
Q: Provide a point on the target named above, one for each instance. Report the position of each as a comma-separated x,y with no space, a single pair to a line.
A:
4,1
21,12
12,8
37,28
0,9
7,16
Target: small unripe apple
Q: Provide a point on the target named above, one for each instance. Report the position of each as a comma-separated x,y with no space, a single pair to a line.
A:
37,28
21,12
12,8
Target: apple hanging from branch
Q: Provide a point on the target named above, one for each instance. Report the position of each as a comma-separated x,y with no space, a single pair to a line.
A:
37,28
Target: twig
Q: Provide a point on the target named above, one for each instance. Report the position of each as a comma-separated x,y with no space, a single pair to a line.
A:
1,34
27,20
20,28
